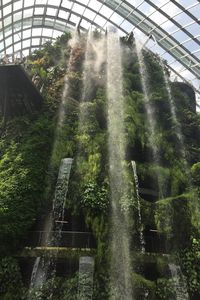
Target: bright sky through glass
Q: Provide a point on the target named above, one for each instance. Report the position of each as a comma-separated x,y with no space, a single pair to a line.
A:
175,24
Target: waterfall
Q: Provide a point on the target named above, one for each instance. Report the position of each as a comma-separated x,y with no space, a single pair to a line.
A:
44,267
179,282
86,272
142,242
151,118
177,126
88,70
121,271
94,59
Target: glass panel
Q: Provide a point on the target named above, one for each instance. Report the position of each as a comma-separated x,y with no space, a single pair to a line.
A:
1,45
28,3
17,38
89,14
171,9
158,18
17,47
17,5
74,18
40,2
8,41
8,32
39,11
26,33
17,16
28,12
186,3
105,11
192,46
66,4
146,8
5,1
169,27
35,41
9,50
116,18
183,19
78,8
63,14
127,26
193,28
7,10
7,21
95,4
49,22
85,24
36,31
180,36
47,32
54,2
25,52
195,11
51,11
99,20
26,44
56,33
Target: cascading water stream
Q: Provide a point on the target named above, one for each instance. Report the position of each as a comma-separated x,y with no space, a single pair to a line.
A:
88,70
142,241
120,270
151,118
177,126
179,282
42,265
94,58
86,274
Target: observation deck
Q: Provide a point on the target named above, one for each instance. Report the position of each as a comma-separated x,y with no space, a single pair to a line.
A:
18,94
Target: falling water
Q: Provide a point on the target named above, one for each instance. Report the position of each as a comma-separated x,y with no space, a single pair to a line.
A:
149,112
88,70
121,271
179,282
176,123
173,112
41,265
86,273
74,43
95,56
142,242
44,267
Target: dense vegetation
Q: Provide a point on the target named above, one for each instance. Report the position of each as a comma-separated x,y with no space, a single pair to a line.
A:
32,146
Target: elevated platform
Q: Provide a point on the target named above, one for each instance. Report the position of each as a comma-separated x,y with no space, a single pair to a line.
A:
58,252
18,95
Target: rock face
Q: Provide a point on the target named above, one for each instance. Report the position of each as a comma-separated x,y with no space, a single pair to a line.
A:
18,95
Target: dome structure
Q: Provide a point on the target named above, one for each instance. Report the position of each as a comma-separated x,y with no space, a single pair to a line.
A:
170,28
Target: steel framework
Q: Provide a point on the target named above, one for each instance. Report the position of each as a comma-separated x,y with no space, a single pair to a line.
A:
26,24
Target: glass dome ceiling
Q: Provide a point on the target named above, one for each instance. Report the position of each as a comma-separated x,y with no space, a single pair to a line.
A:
170,28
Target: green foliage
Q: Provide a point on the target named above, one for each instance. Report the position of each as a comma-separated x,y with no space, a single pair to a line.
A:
23,165
178,212
165,289
143,288
95,198
57,288
10,279
190,260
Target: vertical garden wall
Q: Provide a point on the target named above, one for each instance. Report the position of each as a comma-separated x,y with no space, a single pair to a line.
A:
32,147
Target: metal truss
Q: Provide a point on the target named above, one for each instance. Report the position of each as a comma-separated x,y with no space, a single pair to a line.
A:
20,20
